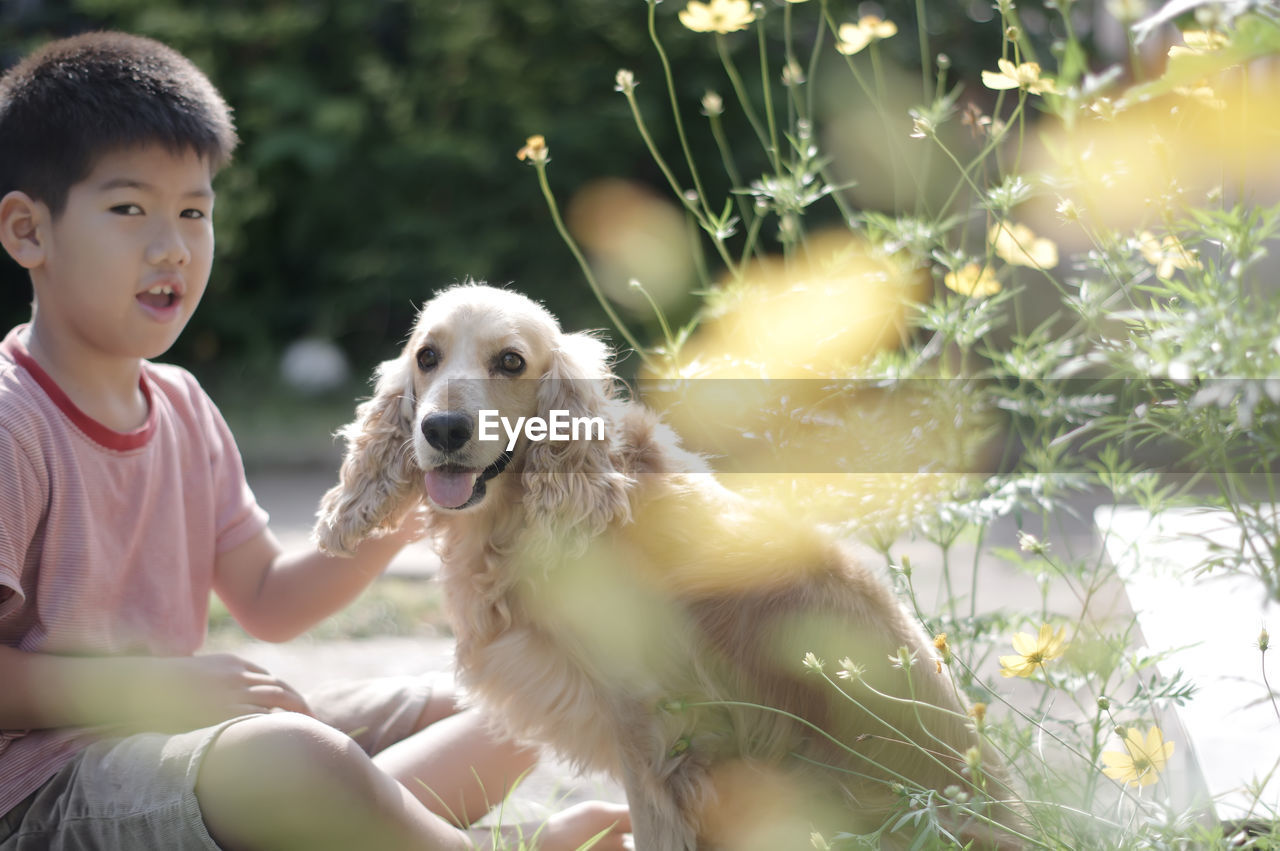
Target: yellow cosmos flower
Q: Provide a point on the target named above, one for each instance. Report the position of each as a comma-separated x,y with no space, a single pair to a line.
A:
974,281
534,150
717,16
1017,244
1024,76
869,28
1166,254
1141,761
1033,651
1198,43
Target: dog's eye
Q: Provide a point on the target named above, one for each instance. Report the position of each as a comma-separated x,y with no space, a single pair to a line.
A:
512,363
427,357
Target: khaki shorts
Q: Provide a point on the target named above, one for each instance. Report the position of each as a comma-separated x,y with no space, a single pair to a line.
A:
138,793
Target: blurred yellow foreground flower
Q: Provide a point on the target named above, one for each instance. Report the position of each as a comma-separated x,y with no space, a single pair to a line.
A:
717,16
1141,761
974,281
1166,254
1017,244
1198,43
1033,651
869,28
1024,76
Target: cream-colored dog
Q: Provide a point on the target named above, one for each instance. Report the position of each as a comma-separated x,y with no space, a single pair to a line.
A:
613,601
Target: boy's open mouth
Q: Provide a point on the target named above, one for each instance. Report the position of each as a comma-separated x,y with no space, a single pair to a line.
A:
160,296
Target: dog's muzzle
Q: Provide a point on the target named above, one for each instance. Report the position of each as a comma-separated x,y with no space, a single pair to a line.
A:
453,486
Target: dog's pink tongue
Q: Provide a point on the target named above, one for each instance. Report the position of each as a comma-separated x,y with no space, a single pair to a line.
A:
450,490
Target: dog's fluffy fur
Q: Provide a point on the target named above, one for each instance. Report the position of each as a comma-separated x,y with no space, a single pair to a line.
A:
613,601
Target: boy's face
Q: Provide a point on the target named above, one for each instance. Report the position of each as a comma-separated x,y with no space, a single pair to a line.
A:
128,258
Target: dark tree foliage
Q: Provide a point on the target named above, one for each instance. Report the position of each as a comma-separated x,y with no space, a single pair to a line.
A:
378,147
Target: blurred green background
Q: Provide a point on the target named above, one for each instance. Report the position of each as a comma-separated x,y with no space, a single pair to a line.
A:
378,158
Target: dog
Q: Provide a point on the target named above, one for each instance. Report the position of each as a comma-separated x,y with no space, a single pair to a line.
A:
612,600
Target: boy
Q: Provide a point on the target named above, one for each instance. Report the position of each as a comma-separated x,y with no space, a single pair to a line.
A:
123,503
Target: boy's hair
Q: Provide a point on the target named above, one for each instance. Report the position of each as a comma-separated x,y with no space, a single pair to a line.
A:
76,99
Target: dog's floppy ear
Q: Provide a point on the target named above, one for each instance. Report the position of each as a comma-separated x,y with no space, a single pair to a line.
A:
376,485
573,484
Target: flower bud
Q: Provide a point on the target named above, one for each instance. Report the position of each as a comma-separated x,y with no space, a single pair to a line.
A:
534,150
943,647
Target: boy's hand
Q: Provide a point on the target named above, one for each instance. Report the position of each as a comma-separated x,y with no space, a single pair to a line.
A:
138,693
186,693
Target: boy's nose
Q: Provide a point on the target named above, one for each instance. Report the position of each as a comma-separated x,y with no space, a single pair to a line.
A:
167,247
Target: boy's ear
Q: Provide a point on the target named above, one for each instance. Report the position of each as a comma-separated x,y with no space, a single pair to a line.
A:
22,219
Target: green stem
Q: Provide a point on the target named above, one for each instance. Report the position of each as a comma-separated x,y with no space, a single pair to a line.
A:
657,311
675,109
923,32
745,210
818,39
1267,683
767,89
740,90
540,166
703,220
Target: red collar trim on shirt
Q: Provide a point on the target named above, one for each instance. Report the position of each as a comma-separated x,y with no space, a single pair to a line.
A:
119,441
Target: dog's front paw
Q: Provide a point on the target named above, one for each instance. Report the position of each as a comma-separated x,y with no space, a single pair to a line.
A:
340,526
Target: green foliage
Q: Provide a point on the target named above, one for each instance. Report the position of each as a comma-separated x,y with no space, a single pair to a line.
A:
378,156
377,161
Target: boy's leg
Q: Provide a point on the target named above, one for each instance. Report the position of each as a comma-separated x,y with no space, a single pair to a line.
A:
455,764
419,733
284,780
278,781
288,781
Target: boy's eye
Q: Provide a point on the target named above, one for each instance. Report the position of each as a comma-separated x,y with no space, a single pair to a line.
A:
193,214
127,209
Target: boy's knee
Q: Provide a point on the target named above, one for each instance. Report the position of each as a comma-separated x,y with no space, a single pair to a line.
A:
444,702
264,773
276,742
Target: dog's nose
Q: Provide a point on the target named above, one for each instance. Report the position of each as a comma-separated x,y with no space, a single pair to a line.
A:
447,431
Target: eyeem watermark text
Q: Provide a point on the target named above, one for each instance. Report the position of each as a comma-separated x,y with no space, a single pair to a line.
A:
559,426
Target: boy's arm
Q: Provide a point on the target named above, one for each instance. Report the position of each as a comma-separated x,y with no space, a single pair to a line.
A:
41,690
276,596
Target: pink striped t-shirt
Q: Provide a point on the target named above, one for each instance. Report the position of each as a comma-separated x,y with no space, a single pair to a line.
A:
107,539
